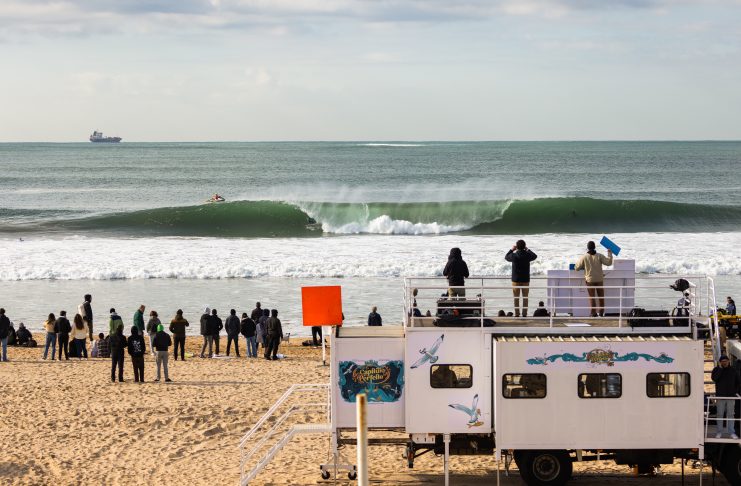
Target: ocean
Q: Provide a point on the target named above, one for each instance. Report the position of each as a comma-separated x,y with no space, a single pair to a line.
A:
128,222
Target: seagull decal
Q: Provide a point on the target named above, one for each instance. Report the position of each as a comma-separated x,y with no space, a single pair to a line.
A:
429,355
473,412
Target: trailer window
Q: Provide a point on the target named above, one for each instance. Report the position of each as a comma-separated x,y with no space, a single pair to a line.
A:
451,376
600,385
524,385
661,385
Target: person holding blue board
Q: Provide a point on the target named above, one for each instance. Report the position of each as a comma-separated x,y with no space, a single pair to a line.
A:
592,263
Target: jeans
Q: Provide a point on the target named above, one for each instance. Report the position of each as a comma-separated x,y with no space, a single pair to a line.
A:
117,361
162,359
208,340
179,342
4,342
81,348
229,340
63,346
151,343
51,339
725,408
251,346
138,363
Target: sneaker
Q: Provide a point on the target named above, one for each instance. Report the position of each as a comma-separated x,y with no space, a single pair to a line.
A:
156,379
718,435
167,380
734,437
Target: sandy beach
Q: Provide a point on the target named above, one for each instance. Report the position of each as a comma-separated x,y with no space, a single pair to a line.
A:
66,423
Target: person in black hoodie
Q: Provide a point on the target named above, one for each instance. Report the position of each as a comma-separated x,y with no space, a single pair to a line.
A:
520,256
456,271
248,329
118,346
162,342
137,347
727,384
216,325
208,338
232,332
63,328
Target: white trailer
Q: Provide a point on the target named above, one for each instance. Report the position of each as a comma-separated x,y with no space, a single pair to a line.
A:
542,391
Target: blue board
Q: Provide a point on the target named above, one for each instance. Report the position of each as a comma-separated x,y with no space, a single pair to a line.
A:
607,243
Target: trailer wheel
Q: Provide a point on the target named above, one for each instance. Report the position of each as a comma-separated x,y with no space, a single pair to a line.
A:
730,465
325,474
545,468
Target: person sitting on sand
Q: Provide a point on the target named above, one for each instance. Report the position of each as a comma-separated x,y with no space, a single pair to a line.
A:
177,328
114,321
63,328
79,334
232,332
541,311
104,346
162,342
12,336
137,347
208,338
275,334
118,347
23,336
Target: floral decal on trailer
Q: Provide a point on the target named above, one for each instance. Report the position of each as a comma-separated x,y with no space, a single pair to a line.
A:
600,357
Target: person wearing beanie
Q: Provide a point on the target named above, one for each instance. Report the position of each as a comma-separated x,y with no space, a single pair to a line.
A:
118,346
177,328
727,384
592,263
162,342
232,332
208,339
137,347
456,271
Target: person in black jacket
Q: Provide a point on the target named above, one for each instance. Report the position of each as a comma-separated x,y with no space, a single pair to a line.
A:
86,311
4,329
137,347
232,325
162,342
256,312
520,256
208,338
727,384
248,329
374,318
456,271
215,325
275,334
23,336
63,328
118,347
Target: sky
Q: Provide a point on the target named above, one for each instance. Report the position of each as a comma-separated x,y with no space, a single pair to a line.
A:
257,70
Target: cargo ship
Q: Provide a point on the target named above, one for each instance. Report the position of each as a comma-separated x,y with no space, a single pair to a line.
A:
98,137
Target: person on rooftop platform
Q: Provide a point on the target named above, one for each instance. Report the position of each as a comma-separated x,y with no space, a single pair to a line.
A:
520,256
456,272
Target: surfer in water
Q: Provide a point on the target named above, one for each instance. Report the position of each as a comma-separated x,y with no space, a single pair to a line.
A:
217,198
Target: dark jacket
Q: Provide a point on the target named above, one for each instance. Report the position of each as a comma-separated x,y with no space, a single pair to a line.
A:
136,344
374,319
520,264
23,335
204,324
162,341
215,325
256,314
177,326
118,344
248,327
232,326
62,325
456,269
275,328
139,320
727,381
4,326
152,324
88,311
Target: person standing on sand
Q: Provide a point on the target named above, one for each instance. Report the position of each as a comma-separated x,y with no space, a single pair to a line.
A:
137,347
208,338
456,271
118,346
79,334
520,256
51,337
4,330
248,329
216,325
152,324
256,312
63,328
232,332
114,322
139,318
592,263
262,328
162,342
275,334
177,328
86,311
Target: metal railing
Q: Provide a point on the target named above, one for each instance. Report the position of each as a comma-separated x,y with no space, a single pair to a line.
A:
566,301
709,436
